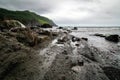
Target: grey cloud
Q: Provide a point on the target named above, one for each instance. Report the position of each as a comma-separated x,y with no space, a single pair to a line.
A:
70,11
35,5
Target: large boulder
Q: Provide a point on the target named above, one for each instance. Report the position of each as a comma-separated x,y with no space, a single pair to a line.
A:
8,24
113,38
46,26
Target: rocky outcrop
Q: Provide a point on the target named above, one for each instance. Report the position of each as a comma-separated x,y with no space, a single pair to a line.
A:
46,26
83,62
113,38
19,56
14,59
9,24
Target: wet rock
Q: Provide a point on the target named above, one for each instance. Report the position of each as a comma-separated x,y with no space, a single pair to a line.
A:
100,35
17,29
17,61
112,73
75,28
27,39
77,45
64,52
59,68
44,32
60,41
113,38
46,26
8,24
91,53
80,63
77,63
60,28
76,68
75,39
86,39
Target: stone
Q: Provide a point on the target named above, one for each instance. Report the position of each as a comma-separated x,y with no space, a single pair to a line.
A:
46,26
86,39
75,39
8,24
75,28
100,35
113,38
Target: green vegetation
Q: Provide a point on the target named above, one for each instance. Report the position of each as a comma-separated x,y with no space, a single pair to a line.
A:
26,17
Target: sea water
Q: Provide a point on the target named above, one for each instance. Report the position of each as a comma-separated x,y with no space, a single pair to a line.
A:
97,41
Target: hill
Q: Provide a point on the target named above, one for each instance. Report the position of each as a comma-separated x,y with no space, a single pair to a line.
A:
26,17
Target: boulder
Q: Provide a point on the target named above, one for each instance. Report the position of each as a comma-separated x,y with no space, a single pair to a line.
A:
86,39
8,24
75,39
46,26
60,28
113,38
100,35
75,28
60,41
44,32
112,73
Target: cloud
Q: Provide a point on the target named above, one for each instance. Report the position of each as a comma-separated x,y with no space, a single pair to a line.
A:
71,11
40,6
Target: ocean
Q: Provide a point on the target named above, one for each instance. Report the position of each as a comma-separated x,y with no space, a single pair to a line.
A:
97,41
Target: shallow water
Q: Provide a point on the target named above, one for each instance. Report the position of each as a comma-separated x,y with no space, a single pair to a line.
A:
99,41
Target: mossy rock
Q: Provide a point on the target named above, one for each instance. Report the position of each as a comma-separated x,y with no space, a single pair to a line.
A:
8,24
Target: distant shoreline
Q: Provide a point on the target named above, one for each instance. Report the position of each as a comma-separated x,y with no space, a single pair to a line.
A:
93,26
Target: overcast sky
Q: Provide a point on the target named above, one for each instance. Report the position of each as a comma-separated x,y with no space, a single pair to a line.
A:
71,12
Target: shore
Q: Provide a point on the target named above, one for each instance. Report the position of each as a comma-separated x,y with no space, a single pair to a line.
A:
55,54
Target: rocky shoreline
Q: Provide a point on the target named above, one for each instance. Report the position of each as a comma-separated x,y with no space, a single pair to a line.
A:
53,54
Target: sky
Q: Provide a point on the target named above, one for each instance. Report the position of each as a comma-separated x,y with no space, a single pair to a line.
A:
71,12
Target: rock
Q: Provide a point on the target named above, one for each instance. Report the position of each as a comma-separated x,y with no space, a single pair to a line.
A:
80,63
86,39
55,33
18,60
8,24
90,52
17,29
60,41
63,39
28,39
112,73
75,39
113,38
76,68
75,28
44,32
77,45
60,28
46,26
100,35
